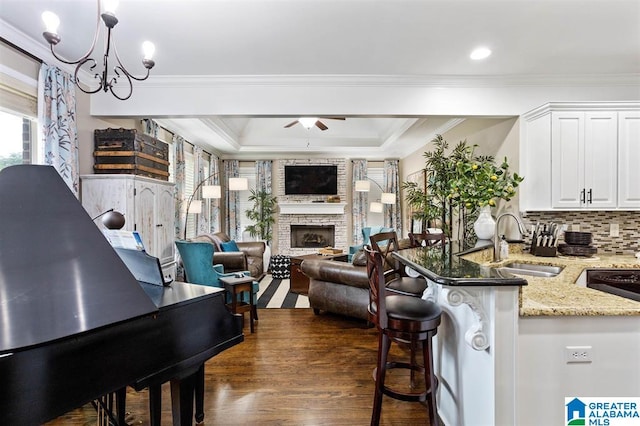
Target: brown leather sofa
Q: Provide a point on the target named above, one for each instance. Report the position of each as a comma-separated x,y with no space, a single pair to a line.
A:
249,258
340,287
337,287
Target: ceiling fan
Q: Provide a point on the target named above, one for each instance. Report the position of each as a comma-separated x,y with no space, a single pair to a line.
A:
309,122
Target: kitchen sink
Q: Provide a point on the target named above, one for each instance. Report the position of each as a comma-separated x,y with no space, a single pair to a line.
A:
531,269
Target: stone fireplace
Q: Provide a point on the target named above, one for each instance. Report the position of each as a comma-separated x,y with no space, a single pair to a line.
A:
316,236
323,223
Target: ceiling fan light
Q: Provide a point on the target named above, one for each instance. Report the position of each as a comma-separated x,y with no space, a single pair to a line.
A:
308,122
362,186
480,53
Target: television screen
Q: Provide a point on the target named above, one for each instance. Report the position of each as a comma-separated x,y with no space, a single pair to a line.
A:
311,180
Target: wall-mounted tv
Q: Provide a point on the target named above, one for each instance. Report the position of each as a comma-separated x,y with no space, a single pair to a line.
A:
311,180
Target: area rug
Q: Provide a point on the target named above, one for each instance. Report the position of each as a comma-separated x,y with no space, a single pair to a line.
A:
274,293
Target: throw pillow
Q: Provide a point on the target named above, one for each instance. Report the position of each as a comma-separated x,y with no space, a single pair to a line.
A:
359,258
229,246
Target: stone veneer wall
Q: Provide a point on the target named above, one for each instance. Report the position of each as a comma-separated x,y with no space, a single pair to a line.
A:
285,221
597,222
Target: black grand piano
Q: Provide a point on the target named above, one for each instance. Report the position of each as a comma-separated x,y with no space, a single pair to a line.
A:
74,322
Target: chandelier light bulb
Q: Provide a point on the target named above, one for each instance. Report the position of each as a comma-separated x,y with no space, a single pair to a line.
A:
110,6
51,22
149,49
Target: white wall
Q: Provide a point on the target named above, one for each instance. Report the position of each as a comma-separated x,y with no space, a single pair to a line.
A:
545,379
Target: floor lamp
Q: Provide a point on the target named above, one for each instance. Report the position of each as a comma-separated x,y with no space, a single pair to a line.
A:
385,198
211,192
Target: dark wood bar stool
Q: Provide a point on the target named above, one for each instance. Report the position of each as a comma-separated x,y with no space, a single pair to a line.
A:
401,319
394,271
426,239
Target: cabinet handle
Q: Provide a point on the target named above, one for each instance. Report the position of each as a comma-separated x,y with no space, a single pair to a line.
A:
582,196
158,225
590,196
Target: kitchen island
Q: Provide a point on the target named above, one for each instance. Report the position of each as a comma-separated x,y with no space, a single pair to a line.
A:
502,349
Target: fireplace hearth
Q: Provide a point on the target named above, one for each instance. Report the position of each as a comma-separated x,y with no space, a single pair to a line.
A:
312,236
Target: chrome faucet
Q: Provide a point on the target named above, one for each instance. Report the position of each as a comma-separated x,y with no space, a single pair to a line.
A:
496,237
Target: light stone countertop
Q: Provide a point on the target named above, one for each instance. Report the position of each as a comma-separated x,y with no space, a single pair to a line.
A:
560,295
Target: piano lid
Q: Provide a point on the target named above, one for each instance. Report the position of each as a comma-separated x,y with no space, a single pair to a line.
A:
59,276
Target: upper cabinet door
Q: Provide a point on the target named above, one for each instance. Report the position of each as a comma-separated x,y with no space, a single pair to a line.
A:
629,159
567,159
600,159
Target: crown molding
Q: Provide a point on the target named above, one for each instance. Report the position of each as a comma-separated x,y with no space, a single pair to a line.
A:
423,81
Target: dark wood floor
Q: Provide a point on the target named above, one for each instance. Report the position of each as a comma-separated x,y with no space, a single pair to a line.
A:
296,369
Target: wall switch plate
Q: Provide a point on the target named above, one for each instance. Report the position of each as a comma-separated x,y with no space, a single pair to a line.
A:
576,354
614,230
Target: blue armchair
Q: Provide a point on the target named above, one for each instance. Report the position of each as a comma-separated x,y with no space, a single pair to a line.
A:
197,260
366,233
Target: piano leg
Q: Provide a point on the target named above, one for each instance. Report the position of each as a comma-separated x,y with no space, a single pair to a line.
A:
121,404
199,393
182,391
155,404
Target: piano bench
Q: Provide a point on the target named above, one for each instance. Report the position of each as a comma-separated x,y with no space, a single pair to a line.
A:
236,286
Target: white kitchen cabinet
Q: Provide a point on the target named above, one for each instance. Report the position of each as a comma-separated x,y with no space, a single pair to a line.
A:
629,159
148,206
584,159
580,156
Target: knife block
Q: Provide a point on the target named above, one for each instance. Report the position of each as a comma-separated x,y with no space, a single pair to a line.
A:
542,251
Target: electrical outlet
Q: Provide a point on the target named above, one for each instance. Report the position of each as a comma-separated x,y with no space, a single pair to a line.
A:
574,354
614,230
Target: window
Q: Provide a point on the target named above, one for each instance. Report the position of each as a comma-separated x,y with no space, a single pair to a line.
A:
189,185
18,134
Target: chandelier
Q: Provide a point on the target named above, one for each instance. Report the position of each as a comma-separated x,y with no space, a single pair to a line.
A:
109,19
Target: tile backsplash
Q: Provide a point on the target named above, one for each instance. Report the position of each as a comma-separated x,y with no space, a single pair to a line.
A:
599,224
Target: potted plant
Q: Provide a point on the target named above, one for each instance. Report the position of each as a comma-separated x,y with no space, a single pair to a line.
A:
262,214
463,183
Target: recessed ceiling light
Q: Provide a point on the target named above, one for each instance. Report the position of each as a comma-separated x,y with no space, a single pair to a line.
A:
480,53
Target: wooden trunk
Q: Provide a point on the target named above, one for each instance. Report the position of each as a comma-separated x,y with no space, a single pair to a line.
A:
125,151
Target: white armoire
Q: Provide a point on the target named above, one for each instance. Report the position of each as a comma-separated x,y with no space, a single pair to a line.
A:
148,206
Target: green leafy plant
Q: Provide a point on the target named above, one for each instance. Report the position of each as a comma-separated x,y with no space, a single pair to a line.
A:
262,214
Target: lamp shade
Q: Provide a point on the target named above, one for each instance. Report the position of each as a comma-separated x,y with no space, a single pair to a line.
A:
238,184
195,207
388,198
375,207
362,185
113,220
211,191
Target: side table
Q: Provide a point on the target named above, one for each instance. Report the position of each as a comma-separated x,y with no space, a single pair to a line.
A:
299,282
236,286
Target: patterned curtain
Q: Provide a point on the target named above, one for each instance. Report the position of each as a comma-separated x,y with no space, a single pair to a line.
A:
392,213
263,175
232,205
57,116
359,201
150,127
202,219
214,215
179,177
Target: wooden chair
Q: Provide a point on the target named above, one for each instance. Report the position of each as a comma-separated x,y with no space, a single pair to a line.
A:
401,318
386,243
426,239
